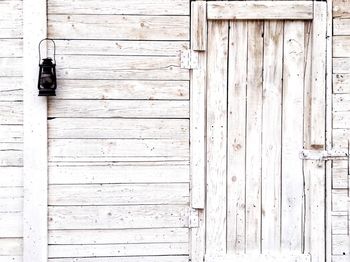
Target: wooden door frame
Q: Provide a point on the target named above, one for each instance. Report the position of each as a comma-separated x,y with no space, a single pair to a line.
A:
35,160
201,12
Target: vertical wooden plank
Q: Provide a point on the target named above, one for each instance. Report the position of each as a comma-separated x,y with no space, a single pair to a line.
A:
35,137
197,128
329,133
237,91
199,26
216,137
198,118
253,136
271,136
197,243
307,121
318,103
292,136
317,172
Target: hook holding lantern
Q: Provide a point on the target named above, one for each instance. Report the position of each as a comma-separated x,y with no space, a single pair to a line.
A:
47,82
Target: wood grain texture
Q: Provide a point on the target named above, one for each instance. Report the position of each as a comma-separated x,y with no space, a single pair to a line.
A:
117,149
341,46
272,135
118,173
176,258
119,27
118,109
341,9
118,217
11,89
109,250
114,67
216,136
122,89
341,83
11,19
118,236
120,7
117,128
292,138
250,10
253,135
125,194
236,140
341,26
120,48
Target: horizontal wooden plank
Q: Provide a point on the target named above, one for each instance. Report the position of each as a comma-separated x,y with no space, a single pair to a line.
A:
153,249
341,245
270,257
11,133
120,194
340,179
341,102
11,225
118,217
341,27
121,236
11,177
341,65
116,67
122,89
11,247
7,193
341,46
124,259
11,259
127,173
120,48
341,120
340,258
340,200
11,67
341,83
117,128
341,136
340,164
117,149
11,19
253,10
341,8
340,224
11,205
117,109
11,113
11,89
118,7
11,47
119,27
11,154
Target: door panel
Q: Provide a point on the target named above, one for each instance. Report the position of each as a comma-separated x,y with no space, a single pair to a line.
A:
256,103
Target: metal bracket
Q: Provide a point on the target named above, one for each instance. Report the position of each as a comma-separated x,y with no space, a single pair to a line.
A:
189,59
323,155
193,218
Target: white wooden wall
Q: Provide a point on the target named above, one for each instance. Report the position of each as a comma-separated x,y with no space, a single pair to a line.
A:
11,130
341,130
107,136
119,131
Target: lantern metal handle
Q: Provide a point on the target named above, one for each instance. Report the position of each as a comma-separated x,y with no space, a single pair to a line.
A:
54,49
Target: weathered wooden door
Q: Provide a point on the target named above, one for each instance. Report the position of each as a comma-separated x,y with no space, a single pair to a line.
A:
264,104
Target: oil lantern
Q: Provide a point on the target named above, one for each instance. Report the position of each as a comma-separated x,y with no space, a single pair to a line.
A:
47,82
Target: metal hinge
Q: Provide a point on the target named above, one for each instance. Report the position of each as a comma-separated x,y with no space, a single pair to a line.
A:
193,218
189,59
